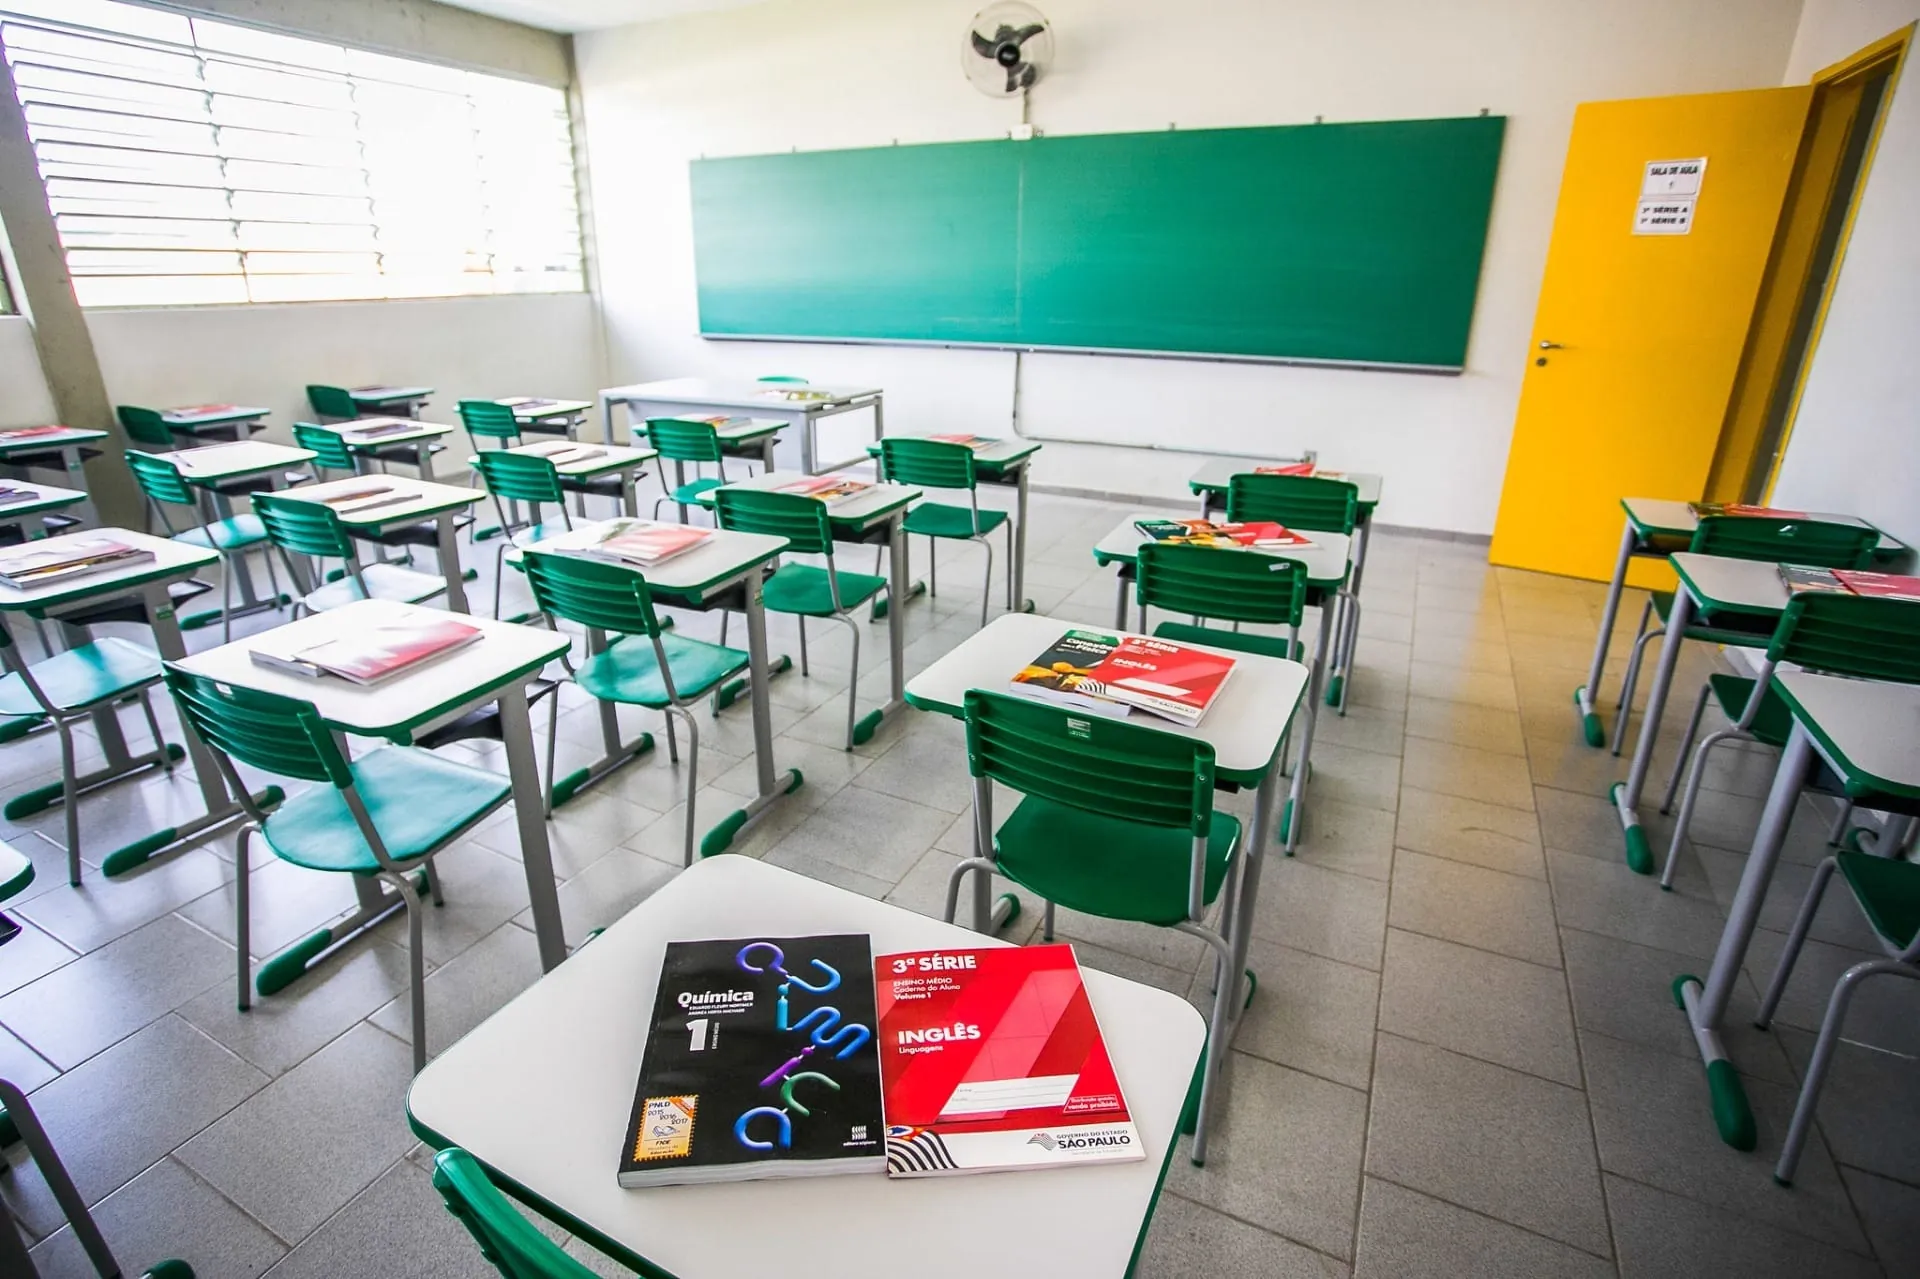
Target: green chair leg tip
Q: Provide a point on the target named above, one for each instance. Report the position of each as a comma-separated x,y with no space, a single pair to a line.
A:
641,746
729,694
1639,856
122,860
470,575
482,534
1286,826
1785,1183
27,803
1596,735
15,729
1027,606
799,780
176,752
1333,689
1013,908
195,621
519,619
877,611
569,786
1678,984
717,840
283,969
780,665
270,796
869,725
170,1269
8,1132
1253,986
1731,1113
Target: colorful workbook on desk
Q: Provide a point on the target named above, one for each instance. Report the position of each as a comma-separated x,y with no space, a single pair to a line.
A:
834,490
1308,470
1261,535
1113,674
718,421
1702,509
643,542
974,442
369,655
58,560
522,405
759,1062
201,410
992,1060
30,433
1849,582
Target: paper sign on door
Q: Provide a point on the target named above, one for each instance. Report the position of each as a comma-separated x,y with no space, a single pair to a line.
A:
1667,195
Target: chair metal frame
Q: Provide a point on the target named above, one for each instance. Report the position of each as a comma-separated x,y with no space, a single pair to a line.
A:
930,464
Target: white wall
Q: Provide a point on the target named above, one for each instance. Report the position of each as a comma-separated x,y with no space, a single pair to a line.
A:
818,74
24,400
466,348
1856,438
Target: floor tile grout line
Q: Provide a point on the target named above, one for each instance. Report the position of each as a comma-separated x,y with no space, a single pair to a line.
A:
1254,1225
1487,1216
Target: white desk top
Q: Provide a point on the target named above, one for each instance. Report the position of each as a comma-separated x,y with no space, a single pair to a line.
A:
1218,473
212,414
1741,586
876,503
1326,559
720,559
388,394
1244,724
210,462
353,432
1869,731
48,498
425,498
505,652
721,393
534,407
737,427
170,559
60,437
540,1093
591,459
1658,515
1002,452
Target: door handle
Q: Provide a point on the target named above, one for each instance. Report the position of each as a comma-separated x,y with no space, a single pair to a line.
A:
1551,346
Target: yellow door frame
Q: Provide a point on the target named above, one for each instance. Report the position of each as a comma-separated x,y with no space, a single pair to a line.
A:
1837,94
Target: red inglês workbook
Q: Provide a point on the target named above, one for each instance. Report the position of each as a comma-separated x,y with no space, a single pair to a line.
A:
991,1060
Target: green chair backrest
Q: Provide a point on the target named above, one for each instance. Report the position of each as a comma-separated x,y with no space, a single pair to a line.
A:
145,426
508,1240
800,519
520,477
275,734
1303,502
160,480
1234,586
329,448
1819,543
305,528
783,377
1866,637
679,440
332,401
607,597
486,420
1091,762
934,464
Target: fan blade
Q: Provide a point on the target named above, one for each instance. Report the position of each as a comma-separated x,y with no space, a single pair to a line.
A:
1026,33
983,46
1028,74
1019,76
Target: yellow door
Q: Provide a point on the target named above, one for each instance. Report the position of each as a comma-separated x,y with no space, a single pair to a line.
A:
1639,331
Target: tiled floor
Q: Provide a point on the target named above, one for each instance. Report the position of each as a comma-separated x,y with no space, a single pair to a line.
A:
1463,1059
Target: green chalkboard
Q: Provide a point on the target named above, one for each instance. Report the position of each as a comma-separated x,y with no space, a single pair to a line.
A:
1342,242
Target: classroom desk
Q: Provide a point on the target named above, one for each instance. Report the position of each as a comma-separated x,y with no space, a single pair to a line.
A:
46,498
724,571
1868,733
748,437
700,397
209,466
1328,569
1747,594
495,669
60,448
1245,727
581,463
426,500
548,417
873,518
371,437
215,421
173,562
1004,462
540,1092
401,401
1211,482
1656,528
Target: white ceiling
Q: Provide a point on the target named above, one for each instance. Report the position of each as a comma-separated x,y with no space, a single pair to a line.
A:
589,15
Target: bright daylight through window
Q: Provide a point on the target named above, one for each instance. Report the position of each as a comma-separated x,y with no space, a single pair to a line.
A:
192,162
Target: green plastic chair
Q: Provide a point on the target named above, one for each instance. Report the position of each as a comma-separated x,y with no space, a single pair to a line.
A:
631,659
508,1240
678,440
144,427
1852,635
314,531
67,688
802,590
329,449
486,420
162,485
332,403
1115,820
1814,543
940,464
1305,502
383,815
512,478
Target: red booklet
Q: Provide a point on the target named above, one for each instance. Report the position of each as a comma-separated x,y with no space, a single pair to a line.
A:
646,543
1289,468
1085,668
1885,585
1742,508
377,653
200,410
31,432
992,1060
831,489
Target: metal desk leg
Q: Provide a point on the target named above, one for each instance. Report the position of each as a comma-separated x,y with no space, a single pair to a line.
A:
1583,697
1348,638
1254,851
423,459
807,423
772,784
1706,1007
1295,811
1122,580
221,808
77,479
1021,604
530,815
898,588
629,497
443,534
679,482
1626,795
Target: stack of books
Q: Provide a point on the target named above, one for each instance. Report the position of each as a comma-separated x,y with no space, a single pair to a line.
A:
1115,674
1260,535
834,490
370,656
60,559
1849,581
634,542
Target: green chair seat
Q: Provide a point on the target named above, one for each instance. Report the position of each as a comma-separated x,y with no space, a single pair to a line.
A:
1731,628
1238,641
937,519
804,589
1888,890
1772,723
1109,866
82,676
628,671
16,870
417,800
234,534
384,582
688,494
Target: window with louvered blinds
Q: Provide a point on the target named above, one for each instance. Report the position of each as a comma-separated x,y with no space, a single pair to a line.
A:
189,161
